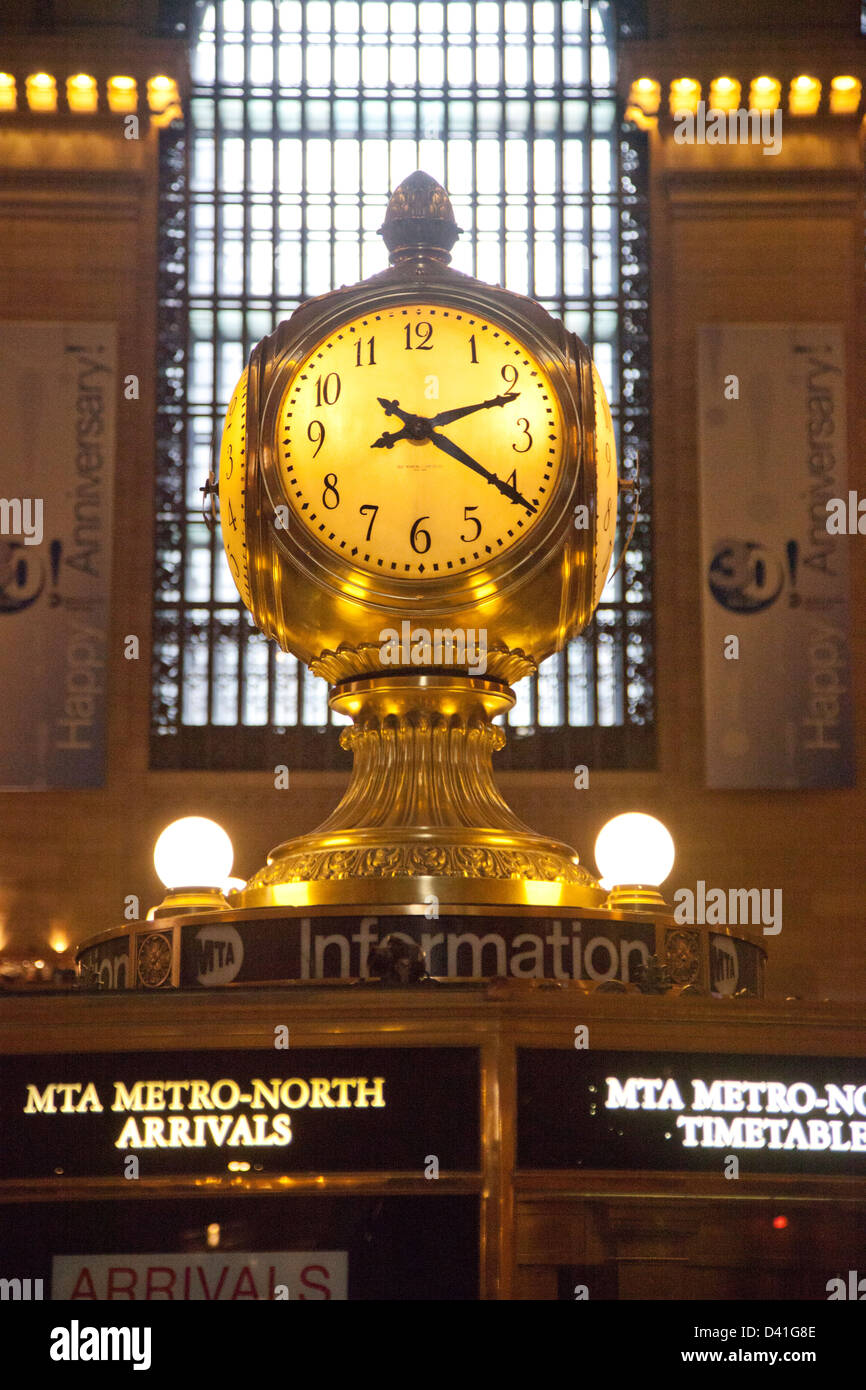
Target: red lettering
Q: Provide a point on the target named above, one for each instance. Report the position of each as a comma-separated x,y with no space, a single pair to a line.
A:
310,1284
117,1290
155,1289
208,1295
251,1291
78,1291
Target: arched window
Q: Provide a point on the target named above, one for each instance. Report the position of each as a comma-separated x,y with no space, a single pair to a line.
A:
303,117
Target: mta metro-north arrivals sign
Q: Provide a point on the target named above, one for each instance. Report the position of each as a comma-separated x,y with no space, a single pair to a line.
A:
293,1110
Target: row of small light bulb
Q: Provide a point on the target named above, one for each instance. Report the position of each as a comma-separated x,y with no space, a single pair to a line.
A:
82,93
195,852
765,94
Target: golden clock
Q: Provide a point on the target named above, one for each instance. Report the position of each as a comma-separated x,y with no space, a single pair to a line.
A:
427,453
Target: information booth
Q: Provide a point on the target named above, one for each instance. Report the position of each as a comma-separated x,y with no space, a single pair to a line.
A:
495,1140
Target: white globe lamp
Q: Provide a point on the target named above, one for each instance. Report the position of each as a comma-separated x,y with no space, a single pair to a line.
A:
634,853
193,857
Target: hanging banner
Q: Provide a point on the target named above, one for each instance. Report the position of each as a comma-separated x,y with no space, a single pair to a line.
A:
57,414
774,570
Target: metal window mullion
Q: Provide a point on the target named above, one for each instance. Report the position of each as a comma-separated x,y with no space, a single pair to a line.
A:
530,173
560,167
503,193
185,426
589,204
217,241
416,38
389,95
332,135
473,92
445,94
246,253
276,249
304,98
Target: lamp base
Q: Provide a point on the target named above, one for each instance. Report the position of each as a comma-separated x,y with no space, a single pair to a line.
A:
636,897
183,900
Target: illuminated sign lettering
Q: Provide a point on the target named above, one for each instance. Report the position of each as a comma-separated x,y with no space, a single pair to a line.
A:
222,1130
763,1100
305,1110
630,1110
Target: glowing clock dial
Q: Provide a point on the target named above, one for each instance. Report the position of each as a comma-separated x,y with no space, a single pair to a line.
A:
607,484
232,485
419,441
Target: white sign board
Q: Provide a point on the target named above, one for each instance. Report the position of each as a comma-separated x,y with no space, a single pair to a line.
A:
312,1275
57,414
775,597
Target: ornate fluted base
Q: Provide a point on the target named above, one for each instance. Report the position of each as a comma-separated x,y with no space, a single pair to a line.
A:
422,815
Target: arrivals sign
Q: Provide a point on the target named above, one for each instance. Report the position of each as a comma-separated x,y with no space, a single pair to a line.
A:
285,1109
57,411
679,1111
227,1277
774,573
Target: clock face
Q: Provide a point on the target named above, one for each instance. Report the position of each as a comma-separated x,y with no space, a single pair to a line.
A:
232,483
419,441
607,484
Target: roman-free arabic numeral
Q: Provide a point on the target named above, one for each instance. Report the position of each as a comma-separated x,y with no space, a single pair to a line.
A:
327,389
230,463
509,375
474,353
359,351
476,523
368,507
424,332
524,424
418,534
232,518
316,435
330,489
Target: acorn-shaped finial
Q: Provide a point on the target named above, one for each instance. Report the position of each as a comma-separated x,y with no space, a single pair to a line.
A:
420,220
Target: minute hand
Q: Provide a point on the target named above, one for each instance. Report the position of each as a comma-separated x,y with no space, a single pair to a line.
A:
457,453
447,416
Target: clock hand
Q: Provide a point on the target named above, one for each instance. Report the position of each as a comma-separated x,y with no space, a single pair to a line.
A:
387,441
457,453
414,426
445,417
393,408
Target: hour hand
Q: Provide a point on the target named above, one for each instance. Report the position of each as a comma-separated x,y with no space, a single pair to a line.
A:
387,441
447,416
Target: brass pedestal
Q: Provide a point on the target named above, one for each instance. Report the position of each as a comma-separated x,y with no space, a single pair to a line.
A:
422,815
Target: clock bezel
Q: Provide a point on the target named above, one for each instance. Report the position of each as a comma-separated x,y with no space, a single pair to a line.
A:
531,327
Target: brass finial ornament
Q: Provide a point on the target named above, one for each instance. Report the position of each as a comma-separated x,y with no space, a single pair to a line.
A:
418,496
420,218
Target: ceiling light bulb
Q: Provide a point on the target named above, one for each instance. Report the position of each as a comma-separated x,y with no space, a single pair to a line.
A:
193,852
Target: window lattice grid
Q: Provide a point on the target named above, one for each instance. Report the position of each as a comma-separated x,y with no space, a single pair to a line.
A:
303,118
